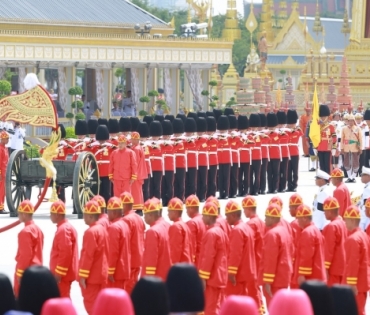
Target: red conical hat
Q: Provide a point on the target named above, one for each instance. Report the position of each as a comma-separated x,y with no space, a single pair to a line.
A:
352,212
232,206
113,301
273,210
126,198
331,203
192,201
100,200
175,204
249,202
92,207
303,211
114,203
58,207
276,200
210,209
214,200
26,207
295,200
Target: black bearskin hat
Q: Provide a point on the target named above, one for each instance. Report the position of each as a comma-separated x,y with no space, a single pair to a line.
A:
148,119
223,123
324,111
233,123
229,111
81,128
263,119
155,129
202,114
187,297
243,122
281,116
320,297
103,121
178,125
190,125
211,124
291,117
125,124
167,128
272,120
218,113
343,299
254,121
210,114
201,124
92,125
159,118
367,114
113,126
192,115
169,117
102,133
62,131
143,130
134,123
182,117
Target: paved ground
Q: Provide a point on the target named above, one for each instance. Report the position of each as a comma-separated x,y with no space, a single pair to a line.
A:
8,240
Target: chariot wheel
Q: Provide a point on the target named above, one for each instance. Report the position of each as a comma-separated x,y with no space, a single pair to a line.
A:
15,189
86,181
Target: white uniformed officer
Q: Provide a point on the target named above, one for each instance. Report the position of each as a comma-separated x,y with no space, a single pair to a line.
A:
318,217
365,179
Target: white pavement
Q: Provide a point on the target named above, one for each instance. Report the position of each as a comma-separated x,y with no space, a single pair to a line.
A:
8,239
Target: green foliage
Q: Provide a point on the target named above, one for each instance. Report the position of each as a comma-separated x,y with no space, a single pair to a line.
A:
205,93
161,102
118,73
153,93
143,113
144,99
77,104
212,104
5,88
80,116
76,90
70,133
231,102
70,115
9,74
282,72
32,150
215,98
213,83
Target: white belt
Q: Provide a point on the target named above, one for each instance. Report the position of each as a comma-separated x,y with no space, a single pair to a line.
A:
196,157
206,154
293,144
158,158
103,162
237,152
185,157
173,159
150,167
287,146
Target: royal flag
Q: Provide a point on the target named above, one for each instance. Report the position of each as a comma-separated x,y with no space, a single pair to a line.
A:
315,135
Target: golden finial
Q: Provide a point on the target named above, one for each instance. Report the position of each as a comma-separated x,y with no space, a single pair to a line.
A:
317,27
251,22
172,22
346,29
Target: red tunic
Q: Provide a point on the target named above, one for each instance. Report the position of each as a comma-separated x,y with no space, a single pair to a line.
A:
30,245
168,155
156,157
213,257
212,144
265,141
102,154
357,271
197,231
119,259
4,158
191,152
104,221
277,260
93,264
343,196
235,144
294,136
156,258
137,230
328,137
142,172
222,223
123,165
284,143
179,151
245,149
259,228
335,234
64,252
309,260
202,148
274,145
296,233
241,260
180,242
224,151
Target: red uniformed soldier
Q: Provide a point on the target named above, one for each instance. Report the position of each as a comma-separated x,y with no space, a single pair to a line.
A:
235,143
335,234
137,228
169,163
249,205
179,234
212,144
122,174
277,200
213,260
156,258
356,272
273,168
265,141
142,172
30,243
220,220
192,157
93,266
64,251
367,213
224,157
180,159
196,226
103,217
201,143
4,158
309,255
341,192
277,261
119,259
241,261
156,159
284,149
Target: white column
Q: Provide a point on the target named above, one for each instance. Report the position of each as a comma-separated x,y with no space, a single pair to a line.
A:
206,77
188,95
41,77
142,88
71,81
175,78
107,77
151,85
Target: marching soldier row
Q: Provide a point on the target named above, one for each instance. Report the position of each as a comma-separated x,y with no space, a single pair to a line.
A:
179,157
232,257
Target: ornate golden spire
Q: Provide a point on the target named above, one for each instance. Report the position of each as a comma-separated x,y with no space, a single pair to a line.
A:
231,30
251,22
210,21
295,6
317,27
346,29
283,16
266,22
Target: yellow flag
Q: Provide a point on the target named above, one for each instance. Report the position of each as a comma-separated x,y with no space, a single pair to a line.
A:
315,135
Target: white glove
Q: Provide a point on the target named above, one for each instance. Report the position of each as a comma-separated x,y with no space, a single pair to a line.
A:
333,152
315,152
